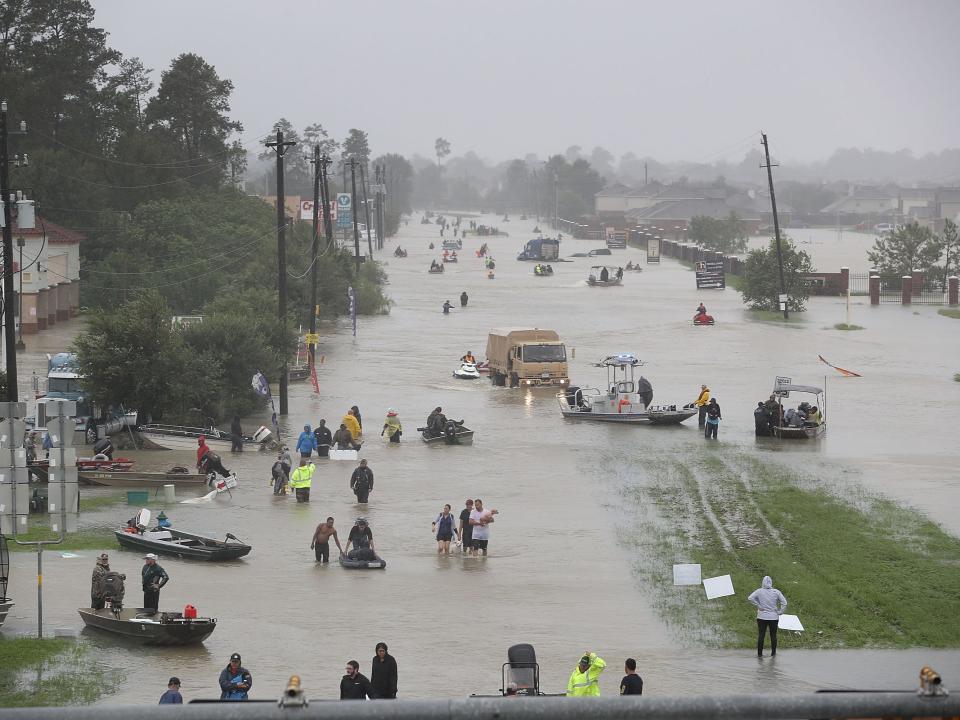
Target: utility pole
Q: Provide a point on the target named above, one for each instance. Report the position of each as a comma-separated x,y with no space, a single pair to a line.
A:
366,208
280,146
556,202
782,299
381,181
314,253
353,206
325,195
9,337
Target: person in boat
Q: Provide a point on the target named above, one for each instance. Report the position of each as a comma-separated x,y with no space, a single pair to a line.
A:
236,435
447,307
620,273
235,681
761,421
814,415
604,275
446,254
463,299
392,427
629,264
453,256
324,439
353,425
97,589
398,252
436,422
154,577
537,269
361,538
343,439
103,449
431,246
549,269
701,310
794,418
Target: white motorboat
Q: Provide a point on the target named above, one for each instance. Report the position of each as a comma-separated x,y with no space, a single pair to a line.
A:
180,437
623,401
467,371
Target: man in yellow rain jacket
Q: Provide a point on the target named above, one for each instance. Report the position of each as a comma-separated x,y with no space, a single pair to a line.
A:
350,420
585,678
301,479
701,404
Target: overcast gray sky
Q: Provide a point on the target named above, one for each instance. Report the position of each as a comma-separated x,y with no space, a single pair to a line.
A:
680,80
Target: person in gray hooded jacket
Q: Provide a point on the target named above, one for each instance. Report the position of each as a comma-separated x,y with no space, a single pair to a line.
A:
770,604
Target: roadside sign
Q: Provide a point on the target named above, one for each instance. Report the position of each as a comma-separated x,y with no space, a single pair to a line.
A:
779,384
653,250
344,211
710,275
311,338
306,210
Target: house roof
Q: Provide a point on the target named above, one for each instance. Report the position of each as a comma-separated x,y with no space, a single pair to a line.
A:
56,234
918,193
615,190
860,194
951,194
680,210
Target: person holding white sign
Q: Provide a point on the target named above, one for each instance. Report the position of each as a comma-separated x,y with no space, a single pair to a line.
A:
770,604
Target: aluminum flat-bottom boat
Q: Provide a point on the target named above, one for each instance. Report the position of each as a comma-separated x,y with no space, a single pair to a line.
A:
148,627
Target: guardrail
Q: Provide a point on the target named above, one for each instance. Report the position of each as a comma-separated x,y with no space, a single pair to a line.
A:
704,707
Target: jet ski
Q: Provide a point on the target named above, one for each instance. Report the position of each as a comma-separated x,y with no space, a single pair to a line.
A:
467,371
703,319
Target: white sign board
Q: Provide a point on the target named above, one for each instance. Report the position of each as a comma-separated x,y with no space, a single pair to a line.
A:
686,574
719,586
790,622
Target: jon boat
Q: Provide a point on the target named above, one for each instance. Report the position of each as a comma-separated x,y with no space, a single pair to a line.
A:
809,431
145,478
455,434
377,563
436,269
160,628
39,468
181,437
593,279
624,401
178,543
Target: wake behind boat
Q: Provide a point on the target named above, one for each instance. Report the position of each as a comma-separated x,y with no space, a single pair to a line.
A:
625,401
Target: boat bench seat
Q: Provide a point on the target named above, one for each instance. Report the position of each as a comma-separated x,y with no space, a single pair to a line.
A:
158,535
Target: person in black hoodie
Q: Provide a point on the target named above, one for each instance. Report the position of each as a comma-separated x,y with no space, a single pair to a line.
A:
354,686
324,439
383,673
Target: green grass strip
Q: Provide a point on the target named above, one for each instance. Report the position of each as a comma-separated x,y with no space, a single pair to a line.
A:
49,672
859,571
950,313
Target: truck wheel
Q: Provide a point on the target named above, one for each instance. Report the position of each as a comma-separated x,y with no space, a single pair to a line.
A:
498,379
514,380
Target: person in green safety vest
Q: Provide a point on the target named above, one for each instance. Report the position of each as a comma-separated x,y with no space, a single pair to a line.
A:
585,678
301,479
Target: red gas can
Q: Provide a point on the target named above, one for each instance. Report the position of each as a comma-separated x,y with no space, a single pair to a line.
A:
190,612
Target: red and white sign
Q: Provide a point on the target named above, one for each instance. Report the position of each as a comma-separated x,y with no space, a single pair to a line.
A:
306,210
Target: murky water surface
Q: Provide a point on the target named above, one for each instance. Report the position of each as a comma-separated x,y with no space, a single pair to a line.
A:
556,576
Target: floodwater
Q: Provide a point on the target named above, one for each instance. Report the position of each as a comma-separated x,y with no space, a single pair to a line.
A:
556,576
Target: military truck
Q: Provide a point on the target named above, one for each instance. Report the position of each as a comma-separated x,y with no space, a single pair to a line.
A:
521,357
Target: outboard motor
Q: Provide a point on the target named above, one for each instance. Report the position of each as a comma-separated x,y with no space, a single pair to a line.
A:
522,669
113,590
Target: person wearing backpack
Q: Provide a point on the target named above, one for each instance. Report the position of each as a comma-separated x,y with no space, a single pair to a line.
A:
713,420
444,528
361,482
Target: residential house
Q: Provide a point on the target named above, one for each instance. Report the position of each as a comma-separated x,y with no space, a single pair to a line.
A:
864,201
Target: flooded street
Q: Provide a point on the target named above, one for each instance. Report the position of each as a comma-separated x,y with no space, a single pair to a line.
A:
557,575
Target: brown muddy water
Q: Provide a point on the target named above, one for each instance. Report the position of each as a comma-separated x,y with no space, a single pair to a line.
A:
556,576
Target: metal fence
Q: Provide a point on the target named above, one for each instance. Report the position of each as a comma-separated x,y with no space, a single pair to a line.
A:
704,707
859,283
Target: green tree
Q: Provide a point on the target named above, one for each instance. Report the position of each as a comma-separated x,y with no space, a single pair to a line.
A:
315,135
911,247
132,356
442,148
357,146
727,235
761,279
191,105
949,249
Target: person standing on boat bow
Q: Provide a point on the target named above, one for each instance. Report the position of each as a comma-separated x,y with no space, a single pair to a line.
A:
154,577
208,461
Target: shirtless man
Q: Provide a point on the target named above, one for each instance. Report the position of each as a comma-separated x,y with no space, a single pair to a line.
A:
321,540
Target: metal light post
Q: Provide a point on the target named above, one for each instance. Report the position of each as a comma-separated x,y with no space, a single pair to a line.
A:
20,344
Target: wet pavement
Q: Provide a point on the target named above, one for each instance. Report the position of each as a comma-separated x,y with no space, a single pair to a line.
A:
557,576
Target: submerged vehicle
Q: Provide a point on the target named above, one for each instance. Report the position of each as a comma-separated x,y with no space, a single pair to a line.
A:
467,371
543,249
800,428
170,541
526,357
604,276
625,400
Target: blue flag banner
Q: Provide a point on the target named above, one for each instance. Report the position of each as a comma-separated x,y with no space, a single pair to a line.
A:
353,308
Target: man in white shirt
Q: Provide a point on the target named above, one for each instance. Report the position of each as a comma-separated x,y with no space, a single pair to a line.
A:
480,520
